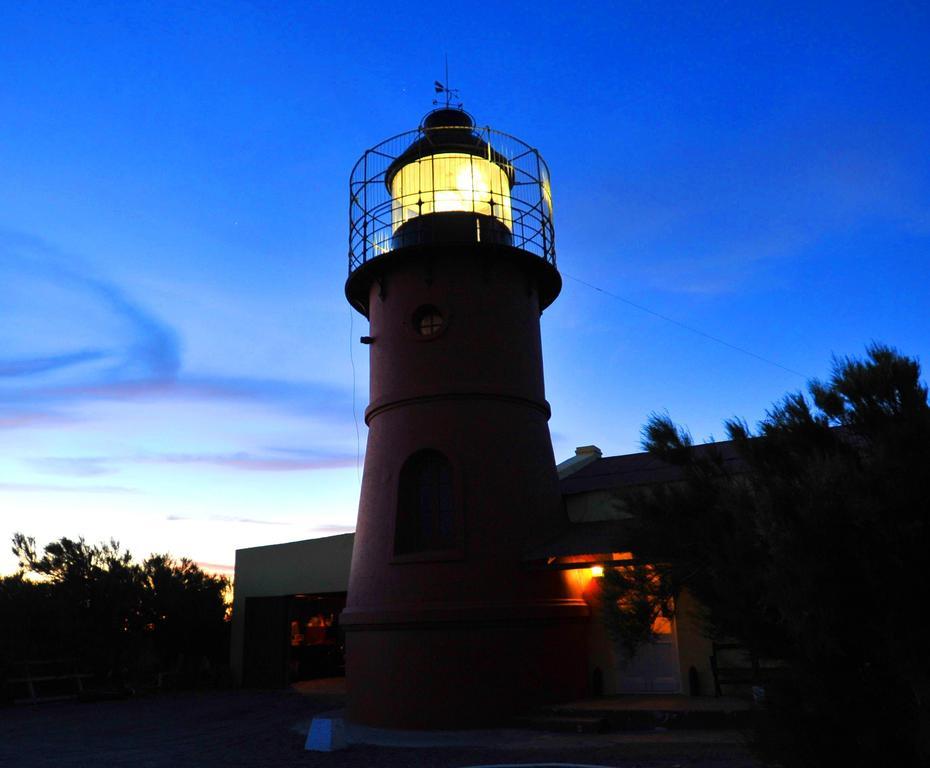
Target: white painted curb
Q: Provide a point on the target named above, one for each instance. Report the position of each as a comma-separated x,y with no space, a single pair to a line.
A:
327,734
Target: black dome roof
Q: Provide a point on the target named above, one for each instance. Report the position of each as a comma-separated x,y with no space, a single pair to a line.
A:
446,130
448,117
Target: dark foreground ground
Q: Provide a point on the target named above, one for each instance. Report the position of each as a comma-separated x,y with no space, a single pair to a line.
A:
248,728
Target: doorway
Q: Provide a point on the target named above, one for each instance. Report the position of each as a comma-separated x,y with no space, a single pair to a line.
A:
315,642
289,638
655,667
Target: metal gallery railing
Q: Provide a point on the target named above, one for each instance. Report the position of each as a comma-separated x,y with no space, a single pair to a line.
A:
375,214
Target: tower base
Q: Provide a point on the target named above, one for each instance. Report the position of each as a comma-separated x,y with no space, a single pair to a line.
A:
475,671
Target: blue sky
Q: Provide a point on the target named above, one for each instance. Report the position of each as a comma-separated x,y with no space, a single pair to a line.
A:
174,343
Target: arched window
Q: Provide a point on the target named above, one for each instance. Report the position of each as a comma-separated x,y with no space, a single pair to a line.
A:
425,516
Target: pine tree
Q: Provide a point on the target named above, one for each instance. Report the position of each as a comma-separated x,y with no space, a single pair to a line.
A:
813,550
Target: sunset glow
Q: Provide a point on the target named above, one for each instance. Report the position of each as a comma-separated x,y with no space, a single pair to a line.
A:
179,369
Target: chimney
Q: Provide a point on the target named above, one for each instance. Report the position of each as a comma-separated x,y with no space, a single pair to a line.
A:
584,455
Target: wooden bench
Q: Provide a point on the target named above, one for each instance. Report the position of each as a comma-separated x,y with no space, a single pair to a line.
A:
46,680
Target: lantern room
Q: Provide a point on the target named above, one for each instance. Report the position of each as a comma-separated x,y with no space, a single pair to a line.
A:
450,183
451,169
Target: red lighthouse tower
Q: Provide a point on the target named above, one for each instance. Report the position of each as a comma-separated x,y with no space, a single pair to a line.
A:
452,261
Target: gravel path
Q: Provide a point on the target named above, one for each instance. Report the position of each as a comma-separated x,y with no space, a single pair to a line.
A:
249,728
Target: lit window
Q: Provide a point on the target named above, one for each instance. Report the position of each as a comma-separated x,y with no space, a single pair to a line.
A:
451,181
425,520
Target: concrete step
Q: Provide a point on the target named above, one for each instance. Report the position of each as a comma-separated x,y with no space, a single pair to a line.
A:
648,713
563,723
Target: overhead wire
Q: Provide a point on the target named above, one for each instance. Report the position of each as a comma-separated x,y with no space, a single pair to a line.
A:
687,327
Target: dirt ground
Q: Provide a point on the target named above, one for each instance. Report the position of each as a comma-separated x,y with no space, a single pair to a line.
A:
249,728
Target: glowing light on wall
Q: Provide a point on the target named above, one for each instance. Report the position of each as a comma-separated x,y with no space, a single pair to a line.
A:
662,625
451,182
597,571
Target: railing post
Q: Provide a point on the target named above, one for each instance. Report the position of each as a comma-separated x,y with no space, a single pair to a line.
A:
365,212
542,218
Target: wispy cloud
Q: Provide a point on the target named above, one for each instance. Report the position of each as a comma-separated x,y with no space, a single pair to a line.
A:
143,347
48,488
133,346
708,220
223,519
30,367
710,268
137,359
246,520
255,463
272,460
30,418
304,398
71,466
334,528
215,567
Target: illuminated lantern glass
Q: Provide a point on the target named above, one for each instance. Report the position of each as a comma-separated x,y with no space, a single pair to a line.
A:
451,181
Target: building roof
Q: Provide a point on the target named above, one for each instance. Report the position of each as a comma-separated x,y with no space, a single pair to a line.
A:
588,471
601,536
633,469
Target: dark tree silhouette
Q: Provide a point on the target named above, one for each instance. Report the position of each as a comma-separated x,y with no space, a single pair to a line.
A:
184,610
813,550
127,623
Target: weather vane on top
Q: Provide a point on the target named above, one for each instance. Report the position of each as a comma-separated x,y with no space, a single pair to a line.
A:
451,94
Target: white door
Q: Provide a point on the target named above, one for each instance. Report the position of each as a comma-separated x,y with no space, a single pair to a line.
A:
654,668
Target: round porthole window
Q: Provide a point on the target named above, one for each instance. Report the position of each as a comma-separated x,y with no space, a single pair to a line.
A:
428,321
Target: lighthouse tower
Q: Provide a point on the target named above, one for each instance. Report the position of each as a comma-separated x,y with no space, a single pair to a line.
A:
452,260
